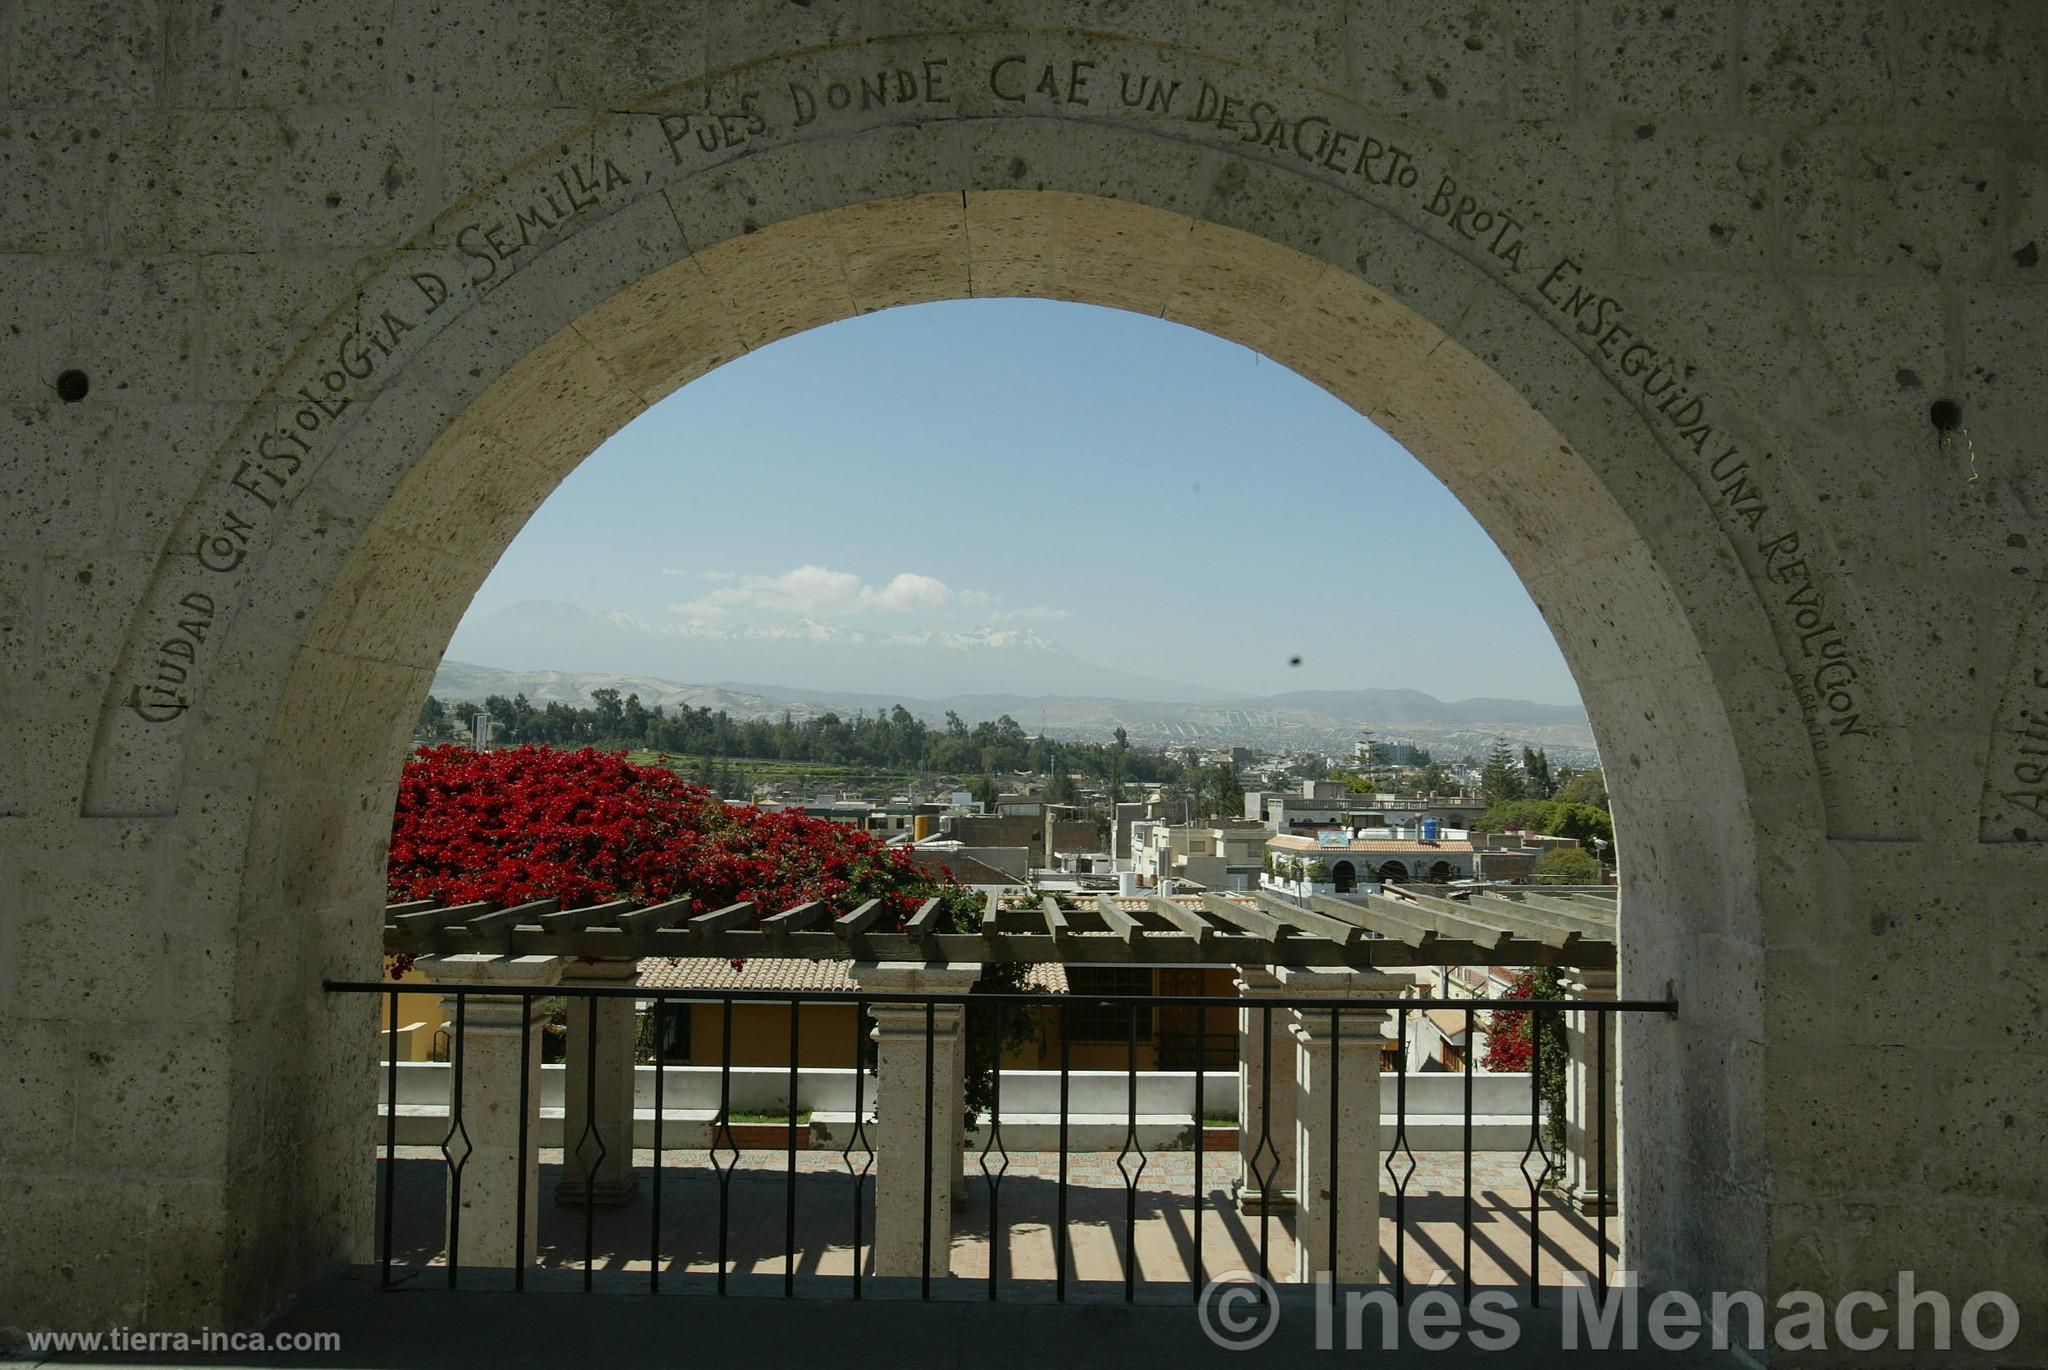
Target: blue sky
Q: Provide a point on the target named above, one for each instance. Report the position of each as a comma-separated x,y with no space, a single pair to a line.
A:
1150,498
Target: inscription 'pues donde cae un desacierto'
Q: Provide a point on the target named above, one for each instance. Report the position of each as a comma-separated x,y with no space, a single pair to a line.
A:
543,204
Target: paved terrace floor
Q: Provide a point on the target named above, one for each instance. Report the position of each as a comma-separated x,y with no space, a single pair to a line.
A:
1097,1210
483,1325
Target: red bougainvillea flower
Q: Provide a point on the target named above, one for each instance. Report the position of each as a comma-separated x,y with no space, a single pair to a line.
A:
588,826
1508,1051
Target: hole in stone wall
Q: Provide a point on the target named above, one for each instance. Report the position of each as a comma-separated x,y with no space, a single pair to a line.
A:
72,386
1946,415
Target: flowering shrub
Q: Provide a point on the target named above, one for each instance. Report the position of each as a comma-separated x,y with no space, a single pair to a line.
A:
586,826
1508,1048
1507,1032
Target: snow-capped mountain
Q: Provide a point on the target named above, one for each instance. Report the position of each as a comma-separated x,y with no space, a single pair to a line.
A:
924,663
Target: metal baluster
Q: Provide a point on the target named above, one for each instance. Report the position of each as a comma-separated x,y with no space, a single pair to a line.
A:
930,1037
390,1140
1059,1226
456,1128
789,1186
1131,1142
994,1142
725,1129
1470,1041
1400,1146
519,1172
1265,1144
859,1132
1337,1055
1534,1148
660,1079
1600,1065
1201,1194
590,1134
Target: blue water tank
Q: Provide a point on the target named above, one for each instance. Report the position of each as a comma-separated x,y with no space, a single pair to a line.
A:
1429,829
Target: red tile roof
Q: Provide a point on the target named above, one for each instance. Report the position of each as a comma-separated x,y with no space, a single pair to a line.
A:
784,972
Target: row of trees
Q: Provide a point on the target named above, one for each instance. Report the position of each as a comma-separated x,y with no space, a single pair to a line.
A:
894,739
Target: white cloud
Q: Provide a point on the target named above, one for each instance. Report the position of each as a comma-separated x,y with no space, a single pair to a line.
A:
818,592
1038,612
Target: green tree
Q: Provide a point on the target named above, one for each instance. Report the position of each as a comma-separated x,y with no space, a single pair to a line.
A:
433,718
1117,757
1225,791
1566,866
504,726
1587,787
1528,815
1581,821
1501,779
611,714
1536,770
1060,789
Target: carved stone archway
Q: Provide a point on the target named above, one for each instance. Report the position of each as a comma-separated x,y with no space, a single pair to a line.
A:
344,312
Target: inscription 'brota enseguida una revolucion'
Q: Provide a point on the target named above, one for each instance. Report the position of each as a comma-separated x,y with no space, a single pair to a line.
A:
478,250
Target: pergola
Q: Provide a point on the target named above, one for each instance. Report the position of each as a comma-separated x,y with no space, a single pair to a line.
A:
1409,926
1329,949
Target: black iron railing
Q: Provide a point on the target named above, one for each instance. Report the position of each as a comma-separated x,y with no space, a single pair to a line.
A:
1261,1154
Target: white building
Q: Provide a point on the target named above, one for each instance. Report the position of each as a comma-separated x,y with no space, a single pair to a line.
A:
1222,854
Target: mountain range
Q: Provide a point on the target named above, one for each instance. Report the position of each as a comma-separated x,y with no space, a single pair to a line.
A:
1319,720
872,662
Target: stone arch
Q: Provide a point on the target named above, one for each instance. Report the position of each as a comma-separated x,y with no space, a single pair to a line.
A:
1393,871
1344,876
335,637
288,623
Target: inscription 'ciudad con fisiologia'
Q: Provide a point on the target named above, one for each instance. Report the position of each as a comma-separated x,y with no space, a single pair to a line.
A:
476,249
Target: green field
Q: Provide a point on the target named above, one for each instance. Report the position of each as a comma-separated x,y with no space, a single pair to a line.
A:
764,772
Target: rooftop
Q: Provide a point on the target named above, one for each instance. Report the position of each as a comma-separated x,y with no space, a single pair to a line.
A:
788,972
1292,842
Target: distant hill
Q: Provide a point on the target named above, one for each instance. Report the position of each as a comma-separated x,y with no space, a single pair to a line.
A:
874,661
1320,720
1413,706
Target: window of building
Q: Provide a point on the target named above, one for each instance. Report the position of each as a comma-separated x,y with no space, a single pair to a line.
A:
1099,1022
670,1042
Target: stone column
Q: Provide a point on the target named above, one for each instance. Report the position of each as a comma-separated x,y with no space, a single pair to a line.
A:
485,1054
1585,1072
901,1132
959,1113
597,1122
1347,1061
1265,1112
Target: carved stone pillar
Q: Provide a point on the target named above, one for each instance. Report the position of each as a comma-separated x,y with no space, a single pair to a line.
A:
485,1053
597,1095
906,1056
1337,1162
1265,1098
1590,1075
